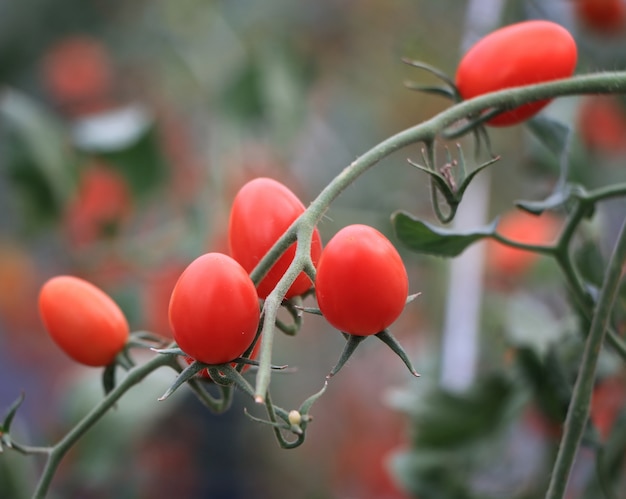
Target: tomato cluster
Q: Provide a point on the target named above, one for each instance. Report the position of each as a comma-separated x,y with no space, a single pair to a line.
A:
214,308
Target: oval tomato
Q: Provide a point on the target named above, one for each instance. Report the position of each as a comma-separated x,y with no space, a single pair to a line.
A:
82,320
214,309
520,227
262,211
520,54
361,284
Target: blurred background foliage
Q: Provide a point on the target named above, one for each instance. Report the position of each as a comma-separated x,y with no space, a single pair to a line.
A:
126,129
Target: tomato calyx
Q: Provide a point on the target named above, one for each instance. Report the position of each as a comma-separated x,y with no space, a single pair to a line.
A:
353,341
474,123
450,180
225,375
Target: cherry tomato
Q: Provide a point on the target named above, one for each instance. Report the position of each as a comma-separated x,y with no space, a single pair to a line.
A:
262,211
601,16
520,227
361,284
520,54
82,320
214,309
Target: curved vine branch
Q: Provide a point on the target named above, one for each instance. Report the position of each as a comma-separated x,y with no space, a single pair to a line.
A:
302,229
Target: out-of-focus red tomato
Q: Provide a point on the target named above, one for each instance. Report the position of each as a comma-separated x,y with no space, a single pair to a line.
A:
520,227
18,288
608,398
78,74
602,124
157,291
102,204
605,17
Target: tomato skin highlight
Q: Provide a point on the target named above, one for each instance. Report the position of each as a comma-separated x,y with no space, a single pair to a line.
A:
214,309
262,211
361,284
519,54
82,320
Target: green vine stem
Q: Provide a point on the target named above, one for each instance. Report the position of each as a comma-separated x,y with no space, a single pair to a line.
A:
58,451
302,228
578,411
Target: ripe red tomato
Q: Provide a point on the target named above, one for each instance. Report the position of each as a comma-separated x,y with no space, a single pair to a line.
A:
601,16
82,320
262,211
361,284
520,227
214,309
516,55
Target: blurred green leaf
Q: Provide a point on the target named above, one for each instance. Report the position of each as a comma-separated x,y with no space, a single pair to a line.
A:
557,199
590,263
423,237
449,420
426,474
142,163
548,380
37,154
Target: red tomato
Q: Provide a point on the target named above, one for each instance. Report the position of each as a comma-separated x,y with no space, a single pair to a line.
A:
520,54
262,211
607,401
520,227
361,284
78,73
214,309
103,202
82,320
601,16
602,124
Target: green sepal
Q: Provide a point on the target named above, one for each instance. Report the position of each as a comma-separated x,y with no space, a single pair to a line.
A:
169,351
5,427
351,344
108,378
436,72
388,339
189,372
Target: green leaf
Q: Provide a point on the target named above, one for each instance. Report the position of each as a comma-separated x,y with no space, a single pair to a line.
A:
427,474
590,263
555,200
450,420
548,380
423,237
38,159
